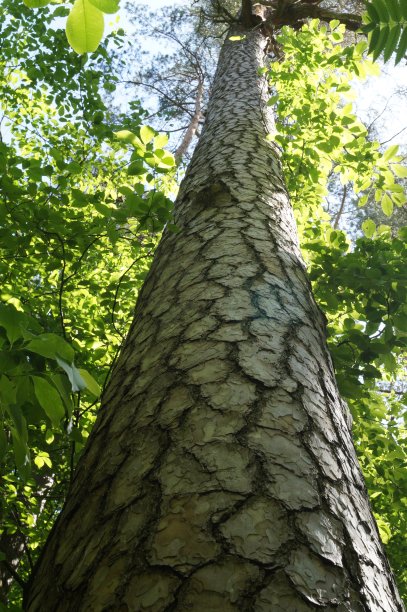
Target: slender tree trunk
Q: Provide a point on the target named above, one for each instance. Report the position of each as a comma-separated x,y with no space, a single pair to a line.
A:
221,473
193,124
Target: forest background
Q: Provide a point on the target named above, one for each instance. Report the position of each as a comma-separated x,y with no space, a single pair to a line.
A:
86,189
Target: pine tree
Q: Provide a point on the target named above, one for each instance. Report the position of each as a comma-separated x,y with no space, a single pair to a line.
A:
221,473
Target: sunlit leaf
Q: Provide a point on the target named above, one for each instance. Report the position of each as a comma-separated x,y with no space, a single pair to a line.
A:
107,6
84,26
49,400
73,374
90,382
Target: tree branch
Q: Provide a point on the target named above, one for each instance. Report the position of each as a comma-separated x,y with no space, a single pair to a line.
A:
193,125
246,13
286,12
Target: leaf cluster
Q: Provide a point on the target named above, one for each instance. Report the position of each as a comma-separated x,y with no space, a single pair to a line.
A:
386,26
81,212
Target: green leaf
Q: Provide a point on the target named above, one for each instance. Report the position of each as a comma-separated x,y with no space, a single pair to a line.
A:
389,362
107,6
382,11
20,424
392,42
394,9
381,43
146,134
160,141
51,346
64,389
136,168
84,27
400,321
3,443
368,27
127,136
21,450
8,391
36,3
387,205
91,383
368,228
372,12
49,399
390,152
42,459
13,322
400,171
402,48
373,39
76,380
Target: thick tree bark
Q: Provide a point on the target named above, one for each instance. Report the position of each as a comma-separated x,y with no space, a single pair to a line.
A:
221,473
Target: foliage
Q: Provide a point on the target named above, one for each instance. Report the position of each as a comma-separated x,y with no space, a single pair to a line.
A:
386,26
85,22
360,286
82,205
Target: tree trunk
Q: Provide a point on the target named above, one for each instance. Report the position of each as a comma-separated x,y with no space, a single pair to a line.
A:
221,473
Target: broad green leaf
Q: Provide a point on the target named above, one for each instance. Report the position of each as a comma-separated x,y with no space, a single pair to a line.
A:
389,362
390,152
13,322
51,346
394,188
136,168
400,171
8,390
146,134
160,141
84,27
76,380
368,228
107,6
400,321
49,399
20,424
127,136
21,453
387,205
64,389
36,3
90,382
42,459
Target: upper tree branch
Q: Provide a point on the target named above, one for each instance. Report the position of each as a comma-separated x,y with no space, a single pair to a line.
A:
294,12
246,13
